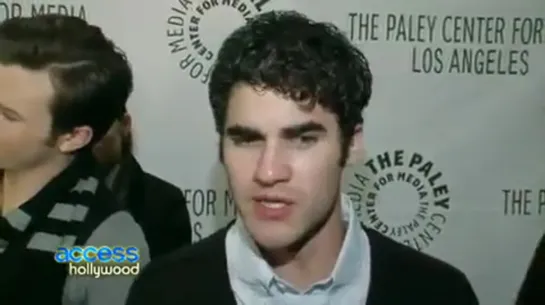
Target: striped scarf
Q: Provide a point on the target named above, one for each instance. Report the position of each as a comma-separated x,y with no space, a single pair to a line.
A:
63,214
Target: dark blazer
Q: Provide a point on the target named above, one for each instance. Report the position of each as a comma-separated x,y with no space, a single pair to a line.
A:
198,275
532,291
158,207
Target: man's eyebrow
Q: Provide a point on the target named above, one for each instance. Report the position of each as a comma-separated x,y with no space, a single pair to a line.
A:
289,132
299,129
242,131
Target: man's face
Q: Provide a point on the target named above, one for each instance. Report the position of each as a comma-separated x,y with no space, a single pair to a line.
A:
282,164
25,119
109,150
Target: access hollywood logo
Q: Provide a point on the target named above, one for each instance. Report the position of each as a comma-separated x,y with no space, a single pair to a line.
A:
99,261
402,195
189,41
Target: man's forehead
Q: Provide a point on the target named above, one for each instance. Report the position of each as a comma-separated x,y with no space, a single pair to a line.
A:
267,110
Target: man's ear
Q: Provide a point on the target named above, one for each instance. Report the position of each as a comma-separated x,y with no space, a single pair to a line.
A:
75,140
356,150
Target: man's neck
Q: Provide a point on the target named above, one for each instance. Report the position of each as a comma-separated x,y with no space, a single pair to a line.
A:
316,259
17,187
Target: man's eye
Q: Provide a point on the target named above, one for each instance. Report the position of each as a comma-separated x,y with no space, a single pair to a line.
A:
244,141
305,141
9,117
308,139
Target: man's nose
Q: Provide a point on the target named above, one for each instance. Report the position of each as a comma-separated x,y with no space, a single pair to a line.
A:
273,166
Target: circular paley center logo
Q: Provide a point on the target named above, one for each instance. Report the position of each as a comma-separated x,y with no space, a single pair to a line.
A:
400,194
195,30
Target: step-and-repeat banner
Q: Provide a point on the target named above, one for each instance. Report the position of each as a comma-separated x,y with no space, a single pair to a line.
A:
455,132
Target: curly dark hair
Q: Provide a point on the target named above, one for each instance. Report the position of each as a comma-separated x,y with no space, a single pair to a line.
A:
91,76
309,62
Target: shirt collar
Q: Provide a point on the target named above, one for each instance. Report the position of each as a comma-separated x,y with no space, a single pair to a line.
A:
253,270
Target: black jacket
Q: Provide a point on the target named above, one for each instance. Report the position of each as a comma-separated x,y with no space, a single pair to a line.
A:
532,291
158,207
198,275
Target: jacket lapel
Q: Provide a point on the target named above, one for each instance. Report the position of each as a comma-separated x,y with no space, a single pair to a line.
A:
380,292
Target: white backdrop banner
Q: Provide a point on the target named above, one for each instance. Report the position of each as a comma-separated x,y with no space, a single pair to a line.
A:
455,131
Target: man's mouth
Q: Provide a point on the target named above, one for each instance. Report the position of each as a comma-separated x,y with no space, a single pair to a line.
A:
272,206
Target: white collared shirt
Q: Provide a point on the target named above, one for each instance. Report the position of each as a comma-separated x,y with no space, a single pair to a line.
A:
254,282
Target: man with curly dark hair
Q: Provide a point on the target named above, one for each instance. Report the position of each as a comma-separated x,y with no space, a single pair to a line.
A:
287,94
